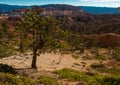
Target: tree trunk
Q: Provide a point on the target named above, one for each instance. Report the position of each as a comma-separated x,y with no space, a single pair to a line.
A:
33,65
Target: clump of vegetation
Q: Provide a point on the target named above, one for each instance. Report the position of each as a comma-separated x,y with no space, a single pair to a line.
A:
71,74
97,65
10,79
116,53
84,63
5,51
113,70
95,79
6,37
109,80
75,56
7,69
47,81
100,57
77,64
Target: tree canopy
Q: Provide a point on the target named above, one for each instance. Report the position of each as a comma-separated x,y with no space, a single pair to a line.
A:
43,33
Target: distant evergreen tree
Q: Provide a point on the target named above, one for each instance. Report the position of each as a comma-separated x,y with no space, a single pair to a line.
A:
6,37
118,10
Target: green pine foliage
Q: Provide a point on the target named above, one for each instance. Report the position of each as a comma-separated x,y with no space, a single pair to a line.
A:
44,33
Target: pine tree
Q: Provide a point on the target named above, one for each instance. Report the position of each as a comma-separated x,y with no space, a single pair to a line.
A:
44,33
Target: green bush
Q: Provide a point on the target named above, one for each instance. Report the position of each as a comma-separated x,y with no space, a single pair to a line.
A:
97,65
7,69
111,80
75,56
116,54
88,78
47,80
100,57
73,75
5,51
77,64
113,71
10,79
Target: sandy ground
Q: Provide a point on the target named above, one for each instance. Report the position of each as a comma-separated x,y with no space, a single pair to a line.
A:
47,62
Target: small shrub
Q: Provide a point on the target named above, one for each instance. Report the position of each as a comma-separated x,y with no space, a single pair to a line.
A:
100,57
7,69
75,56
10,79
87,57
109,80
5,51
97,65
114,70
89,78
47,80
84,63
77,64
90,73
71,74
116,54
